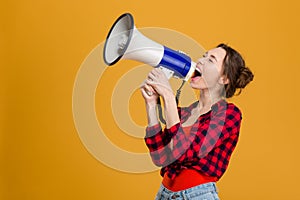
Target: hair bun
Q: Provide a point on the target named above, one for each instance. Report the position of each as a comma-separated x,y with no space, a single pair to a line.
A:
246,76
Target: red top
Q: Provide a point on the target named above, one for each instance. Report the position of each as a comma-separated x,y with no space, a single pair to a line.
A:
208,147
186,179
187,129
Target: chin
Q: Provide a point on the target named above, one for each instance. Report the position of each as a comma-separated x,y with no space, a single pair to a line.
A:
195,86
198,85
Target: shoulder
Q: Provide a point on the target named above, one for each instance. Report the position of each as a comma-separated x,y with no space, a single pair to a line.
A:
234,107
234,111
223,107
188,108
185,112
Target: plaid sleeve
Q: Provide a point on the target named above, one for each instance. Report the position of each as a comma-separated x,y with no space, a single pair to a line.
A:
179,144
166,145
157,140
223,129
160,142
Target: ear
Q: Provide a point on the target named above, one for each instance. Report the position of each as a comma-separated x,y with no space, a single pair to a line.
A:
223,80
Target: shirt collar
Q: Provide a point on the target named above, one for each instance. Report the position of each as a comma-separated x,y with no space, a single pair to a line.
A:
220,105
215,107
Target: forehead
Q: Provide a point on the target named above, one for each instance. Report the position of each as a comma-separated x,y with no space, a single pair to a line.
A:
219,53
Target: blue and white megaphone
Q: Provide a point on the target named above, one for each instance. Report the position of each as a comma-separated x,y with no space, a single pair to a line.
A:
126,42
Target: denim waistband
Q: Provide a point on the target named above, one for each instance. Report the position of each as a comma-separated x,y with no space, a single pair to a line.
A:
187,193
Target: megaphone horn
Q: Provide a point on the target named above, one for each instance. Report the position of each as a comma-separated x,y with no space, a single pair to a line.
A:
126,42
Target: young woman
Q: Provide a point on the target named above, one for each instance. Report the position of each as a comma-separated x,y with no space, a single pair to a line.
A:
195,146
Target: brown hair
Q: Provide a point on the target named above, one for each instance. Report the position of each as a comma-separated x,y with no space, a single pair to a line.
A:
235,70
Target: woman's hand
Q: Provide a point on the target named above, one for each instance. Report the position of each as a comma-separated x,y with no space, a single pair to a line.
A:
149,94
150,97
159,82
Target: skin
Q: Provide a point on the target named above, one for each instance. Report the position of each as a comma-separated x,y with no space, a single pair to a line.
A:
210,84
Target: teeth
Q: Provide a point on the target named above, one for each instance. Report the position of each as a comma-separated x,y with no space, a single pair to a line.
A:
199,73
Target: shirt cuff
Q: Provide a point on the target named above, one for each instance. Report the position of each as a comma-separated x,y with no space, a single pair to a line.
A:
153,130
172,131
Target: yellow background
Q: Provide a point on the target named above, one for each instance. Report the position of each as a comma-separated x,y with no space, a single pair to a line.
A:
43,44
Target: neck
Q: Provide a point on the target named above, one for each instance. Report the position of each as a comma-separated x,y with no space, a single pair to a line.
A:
208,98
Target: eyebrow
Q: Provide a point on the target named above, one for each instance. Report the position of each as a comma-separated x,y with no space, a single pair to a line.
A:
214,57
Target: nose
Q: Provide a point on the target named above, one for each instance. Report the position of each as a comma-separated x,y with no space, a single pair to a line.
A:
201,61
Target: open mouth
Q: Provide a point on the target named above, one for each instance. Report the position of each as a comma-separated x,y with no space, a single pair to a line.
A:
196,73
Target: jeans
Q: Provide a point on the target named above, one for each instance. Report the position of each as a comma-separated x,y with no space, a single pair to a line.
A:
207,191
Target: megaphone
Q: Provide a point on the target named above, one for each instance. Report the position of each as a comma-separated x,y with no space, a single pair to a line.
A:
126,42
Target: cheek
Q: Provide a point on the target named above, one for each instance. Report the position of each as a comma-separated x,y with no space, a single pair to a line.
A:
211,76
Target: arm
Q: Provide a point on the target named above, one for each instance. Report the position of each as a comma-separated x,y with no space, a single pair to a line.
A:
151,114
156,139
171,112
150,97
160,83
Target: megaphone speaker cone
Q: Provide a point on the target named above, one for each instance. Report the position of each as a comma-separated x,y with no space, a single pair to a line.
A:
118,39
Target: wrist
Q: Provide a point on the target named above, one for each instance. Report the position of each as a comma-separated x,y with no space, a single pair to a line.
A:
168,96
171,112
151,114
151,104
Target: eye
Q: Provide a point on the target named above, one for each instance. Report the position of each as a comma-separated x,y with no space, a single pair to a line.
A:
210,60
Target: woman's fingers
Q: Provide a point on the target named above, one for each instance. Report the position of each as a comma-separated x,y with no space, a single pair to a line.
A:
144,93
147,88
157,83
155,74
149,82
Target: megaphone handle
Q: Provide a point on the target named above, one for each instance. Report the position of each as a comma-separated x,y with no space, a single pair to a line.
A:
178,92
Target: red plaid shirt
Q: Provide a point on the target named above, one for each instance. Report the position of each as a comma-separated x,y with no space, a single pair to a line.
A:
207,148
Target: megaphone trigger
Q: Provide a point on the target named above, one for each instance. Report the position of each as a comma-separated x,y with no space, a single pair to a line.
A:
169,73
